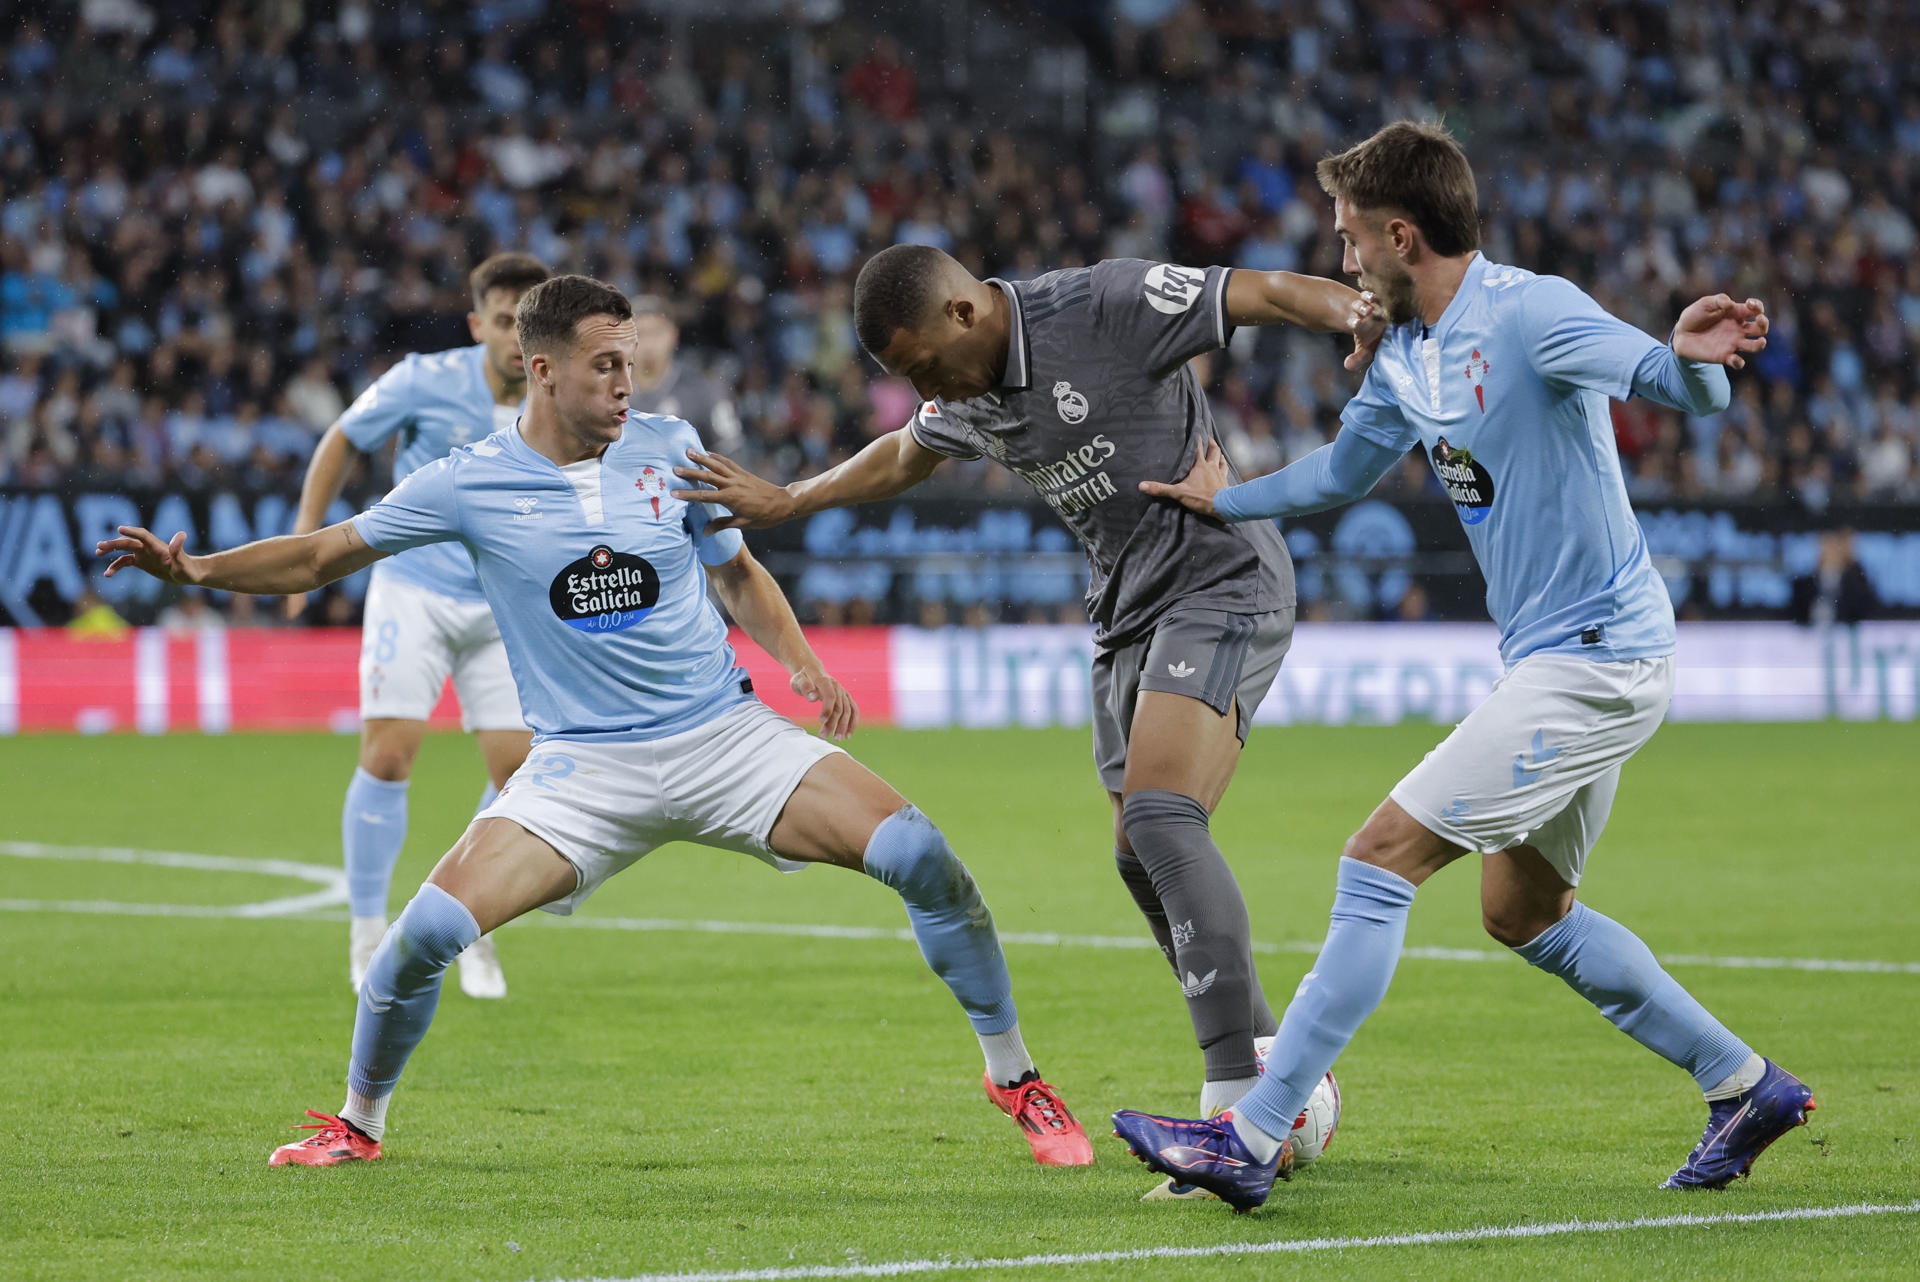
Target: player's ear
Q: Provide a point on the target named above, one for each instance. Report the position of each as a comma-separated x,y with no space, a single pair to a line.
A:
473,325
962,311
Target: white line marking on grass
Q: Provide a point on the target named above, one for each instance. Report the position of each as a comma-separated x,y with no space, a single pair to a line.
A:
332,880
815,930
899,1268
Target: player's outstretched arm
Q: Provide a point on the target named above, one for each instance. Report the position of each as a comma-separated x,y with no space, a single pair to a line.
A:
1336,473
326,477
269,567
760,608
1311,302
893,463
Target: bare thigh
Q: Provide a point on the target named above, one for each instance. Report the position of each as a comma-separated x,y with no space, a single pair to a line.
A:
503,751
1521,895
499,870
831,816
1181,745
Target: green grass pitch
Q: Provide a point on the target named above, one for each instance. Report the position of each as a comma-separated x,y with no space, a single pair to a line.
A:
677,1102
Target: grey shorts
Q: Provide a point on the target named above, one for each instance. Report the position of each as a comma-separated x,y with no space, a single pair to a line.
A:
1226,661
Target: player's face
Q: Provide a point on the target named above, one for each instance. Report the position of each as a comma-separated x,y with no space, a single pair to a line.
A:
655,338
1370,255
592,382
946,360
492,325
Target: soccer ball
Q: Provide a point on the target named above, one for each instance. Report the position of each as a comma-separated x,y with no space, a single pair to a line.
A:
1313,1129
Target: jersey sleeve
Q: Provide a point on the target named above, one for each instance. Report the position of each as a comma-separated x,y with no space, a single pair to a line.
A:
383,409
721,546
422,509
1571,339
935,431
1161,314
1374,414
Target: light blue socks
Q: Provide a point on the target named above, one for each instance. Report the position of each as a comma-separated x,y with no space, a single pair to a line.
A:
398,997
1347,981
1608,965
950,920
373,828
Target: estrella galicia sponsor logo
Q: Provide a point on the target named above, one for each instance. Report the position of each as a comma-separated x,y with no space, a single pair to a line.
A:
605,591
1468,484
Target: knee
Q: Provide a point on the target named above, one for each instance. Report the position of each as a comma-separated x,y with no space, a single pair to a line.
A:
1369,846
433,928
1506,926
387,762
1155,810
910,854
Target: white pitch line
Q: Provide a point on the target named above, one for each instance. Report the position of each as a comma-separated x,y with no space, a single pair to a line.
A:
816,930
314,906
332,880
900,1268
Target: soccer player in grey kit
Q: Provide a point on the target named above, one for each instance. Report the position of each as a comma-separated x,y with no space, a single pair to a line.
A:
1078,381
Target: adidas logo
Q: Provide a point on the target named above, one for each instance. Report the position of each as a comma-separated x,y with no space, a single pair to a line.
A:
1180,670
1194,987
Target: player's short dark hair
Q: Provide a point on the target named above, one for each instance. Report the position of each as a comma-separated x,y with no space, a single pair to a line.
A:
1415,170
899,288
550,313
514,272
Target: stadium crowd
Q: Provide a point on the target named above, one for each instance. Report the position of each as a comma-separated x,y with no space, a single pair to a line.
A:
217,223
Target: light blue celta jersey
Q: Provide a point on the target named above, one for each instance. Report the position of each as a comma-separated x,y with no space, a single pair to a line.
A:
1507,392
593,573
436,402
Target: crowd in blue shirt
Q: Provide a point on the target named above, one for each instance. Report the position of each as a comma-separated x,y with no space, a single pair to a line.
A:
218,223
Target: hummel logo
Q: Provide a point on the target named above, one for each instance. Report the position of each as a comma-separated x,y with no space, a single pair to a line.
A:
1194,987
524,505
1525,772
367,817
1180,670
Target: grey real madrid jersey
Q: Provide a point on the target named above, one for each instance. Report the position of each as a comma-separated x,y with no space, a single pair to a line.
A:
1098,397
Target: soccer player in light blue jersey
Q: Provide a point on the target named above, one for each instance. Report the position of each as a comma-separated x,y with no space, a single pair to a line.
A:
647,729
1503,378
425,618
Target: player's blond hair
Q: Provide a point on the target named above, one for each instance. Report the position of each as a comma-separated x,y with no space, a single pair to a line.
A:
1414,170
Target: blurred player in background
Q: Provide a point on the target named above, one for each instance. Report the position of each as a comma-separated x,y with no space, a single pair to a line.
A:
1503,377
1078,381
649,730
665,384
425,617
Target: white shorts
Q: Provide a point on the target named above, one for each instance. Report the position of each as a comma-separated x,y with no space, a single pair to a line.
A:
1538,762
413,639
604,805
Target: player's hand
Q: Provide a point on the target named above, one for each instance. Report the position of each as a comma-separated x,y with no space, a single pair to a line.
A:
1196,489
141,550
1367,321
755,503
837,713
1716,331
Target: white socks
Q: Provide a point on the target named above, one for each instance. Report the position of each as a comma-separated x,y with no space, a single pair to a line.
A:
368,1115
1007,1058
1740,1081
1257,1142
1218,1097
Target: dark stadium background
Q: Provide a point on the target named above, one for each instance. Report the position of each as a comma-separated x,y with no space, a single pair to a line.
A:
219,222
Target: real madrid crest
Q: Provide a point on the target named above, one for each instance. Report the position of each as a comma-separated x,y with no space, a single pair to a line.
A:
1071,404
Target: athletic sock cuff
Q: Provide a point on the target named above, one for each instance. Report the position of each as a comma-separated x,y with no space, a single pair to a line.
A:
361,779
1364,890
1551,947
